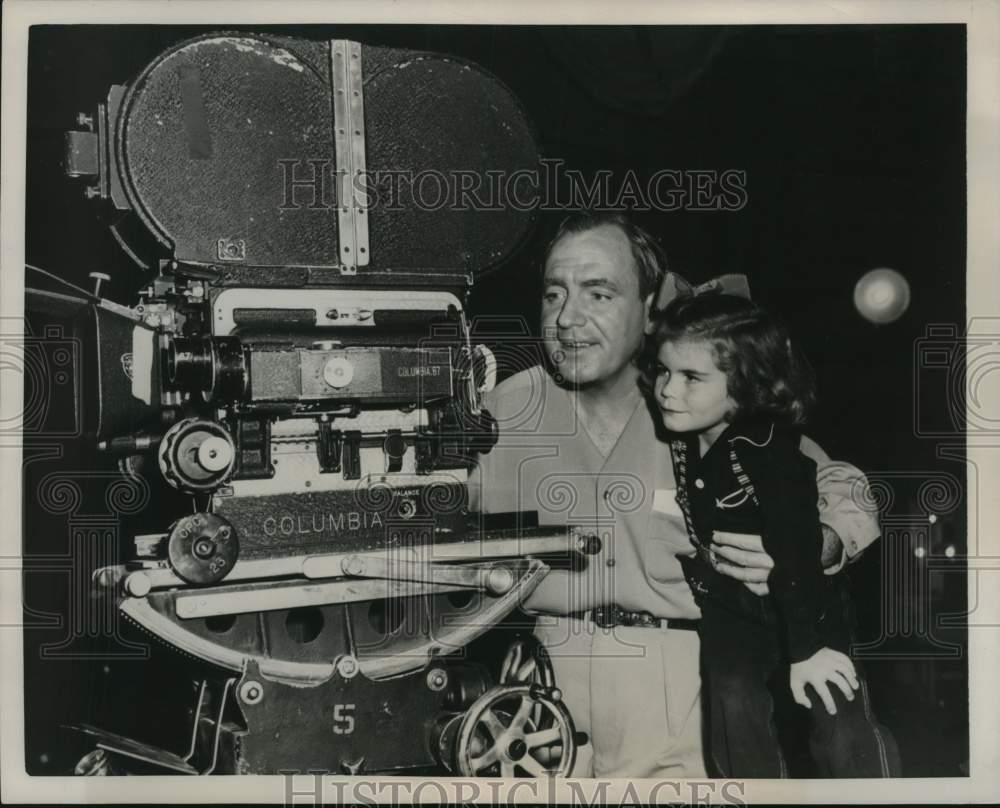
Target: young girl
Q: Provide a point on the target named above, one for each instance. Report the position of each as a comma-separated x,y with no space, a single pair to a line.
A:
731,390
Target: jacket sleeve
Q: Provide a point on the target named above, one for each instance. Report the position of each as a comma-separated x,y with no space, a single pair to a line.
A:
845,504
784,482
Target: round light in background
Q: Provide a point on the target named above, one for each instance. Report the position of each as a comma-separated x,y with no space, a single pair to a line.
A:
919,552
882,295
949,551
932,518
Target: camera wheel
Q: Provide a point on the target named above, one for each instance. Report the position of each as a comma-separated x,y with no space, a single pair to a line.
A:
500,736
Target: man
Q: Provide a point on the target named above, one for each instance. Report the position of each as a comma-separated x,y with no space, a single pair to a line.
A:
579,446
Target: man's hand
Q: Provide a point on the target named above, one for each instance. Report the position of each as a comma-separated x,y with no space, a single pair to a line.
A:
742,556
833,549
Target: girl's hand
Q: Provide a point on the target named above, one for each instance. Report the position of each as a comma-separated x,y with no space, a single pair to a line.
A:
826,665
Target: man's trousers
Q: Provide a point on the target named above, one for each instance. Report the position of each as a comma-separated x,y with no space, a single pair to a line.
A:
634,691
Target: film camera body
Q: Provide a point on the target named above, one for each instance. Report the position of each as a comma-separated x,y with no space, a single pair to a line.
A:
299,365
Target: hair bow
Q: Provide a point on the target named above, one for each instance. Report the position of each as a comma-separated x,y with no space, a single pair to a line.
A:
675,286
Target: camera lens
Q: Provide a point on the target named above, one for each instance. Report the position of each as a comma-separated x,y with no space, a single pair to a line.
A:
214,366
189,363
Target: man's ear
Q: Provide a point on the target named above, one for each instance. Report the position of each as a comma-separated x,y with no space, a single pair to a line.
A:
648,312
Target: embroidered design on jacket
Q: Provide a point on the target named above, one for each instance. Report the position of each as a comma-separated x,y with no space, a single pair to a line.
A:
733,499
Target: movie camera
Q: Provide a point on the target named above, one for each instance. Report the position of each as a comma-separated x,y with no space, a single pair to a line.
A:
299,366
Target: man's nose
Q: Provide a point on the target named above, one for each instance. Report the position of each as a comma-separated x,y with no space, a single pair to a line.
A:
570,313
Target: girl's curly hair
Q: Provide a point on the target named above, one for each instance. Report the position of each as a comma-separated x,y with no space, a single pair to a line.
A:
766,375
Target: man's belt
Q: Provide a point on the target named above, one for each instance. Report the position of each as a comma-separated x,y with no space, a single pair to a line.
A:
614,615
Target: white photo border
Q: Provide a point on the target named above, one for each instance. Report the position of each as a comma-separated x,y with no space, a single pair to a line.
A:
982,18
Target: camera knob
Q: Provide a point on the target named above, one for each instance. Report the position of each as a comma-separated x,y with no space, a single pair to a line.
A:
196,455
338,372
587,543
499,580
215,454
202,548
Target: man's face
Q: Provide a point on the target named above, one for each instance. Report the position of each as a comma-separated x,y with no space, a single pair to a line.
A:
592,315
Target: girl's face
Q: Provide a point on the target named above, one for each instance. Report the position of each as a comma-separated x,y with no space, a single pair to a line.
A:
690,390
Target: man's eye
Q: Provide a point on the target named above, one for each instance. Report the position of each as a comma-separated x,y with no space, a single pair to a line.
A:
600,296
551,296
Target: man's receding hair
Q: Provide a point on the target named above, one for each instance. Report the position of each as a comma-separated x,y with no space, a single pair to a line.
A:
650,259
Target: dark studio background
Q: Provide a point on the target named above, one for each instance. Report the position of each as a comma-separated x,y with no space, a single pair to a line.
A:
853,144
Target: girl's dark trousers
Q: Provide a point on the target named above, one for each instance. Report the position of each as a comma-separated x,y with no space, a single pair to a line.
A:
742,656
